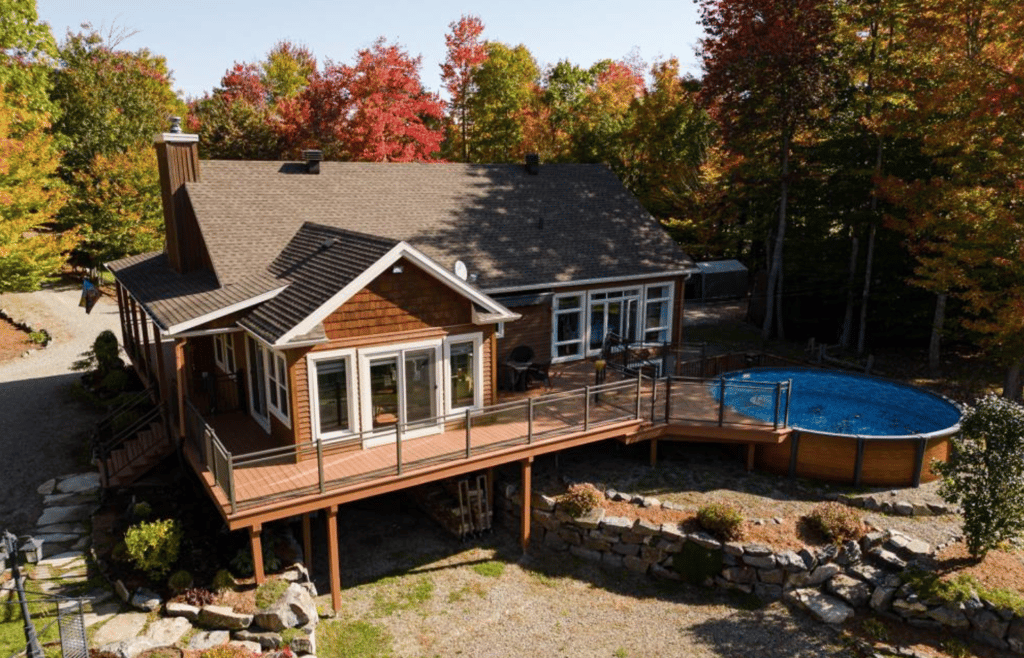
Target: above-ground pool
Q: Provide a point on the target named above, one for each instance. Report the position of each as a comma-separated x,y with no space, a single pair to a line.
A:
846,427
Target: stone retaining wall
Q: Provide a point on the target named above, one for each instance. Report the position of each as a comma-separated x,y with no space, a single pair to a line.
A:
829,582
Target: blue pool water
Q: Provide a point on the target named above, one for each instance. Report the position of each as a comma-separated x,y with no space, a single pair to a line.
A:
838,402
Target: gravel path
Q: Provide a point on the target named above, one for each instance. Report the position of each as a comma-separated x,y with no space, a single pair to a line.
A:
41,430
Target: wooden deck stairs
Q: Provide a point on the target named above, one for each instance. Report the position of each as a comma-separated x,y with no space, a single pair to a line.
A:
130,441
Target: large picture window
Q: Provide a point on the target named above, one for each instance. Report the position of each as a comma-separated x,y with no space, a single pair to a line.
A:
464,371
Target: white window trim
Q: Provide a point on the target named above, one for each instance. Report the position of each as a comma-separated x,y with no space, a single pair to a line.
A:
366,403
312,359
623,299
586,297
225,345
478,370
670,301
282,414
583,324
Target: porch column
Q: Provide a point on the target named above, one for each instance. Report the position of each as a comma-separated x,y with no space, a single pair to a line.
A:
120,309
654,452
179,369
161,366
257,553
144,320
527,469
307,541
494,369
333,557
135,328
750,456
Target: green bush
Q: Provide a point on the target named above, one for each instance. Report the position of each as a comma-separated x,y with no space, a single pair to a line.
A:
222,580
153,546
179,581
580,499
836,521
696,564
227,651
985,473
722,520
142,510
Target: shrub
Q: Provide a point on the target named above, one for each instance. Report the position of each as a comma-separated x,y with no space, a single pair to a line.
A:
580,499
227,651
179,581
985,473
142,510
836,521
153,546
223,580
722,520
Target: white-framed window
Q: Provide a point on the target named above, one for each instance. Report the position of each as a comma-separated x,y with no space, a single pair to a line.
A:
612,311
658,313
332,394
268,384
400,385
224,352
464,372
567,326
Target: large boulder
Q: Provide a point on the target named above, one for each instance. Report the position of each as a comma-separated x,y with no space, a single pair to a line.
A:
823,607
294,608
217,616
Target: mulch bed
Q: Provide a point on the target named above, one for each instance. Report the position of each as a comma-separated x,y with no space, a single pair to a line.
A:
13,341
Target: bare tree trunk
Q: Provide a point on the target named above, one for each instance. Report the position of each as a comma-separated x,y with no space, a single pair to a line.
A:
776,264
780,332
871,253
1012,381
936,341
847,333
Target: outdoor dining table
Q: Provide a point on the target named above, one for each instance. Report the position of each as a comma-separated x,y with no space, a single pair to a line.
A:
519,370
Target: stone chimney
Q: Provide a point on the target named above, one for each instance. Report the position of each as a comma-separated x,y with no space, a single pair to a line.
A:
177,156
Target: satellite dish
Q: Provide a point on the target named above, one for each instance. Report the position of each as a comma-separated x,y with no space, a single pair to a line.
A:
461,270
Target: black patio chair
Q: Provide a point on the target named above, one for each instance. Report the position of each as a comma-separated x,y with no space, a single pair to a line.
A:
539,372
521,354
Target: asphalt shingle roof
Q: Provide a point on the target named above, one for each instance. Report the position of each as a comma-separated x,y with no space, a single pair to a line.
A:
173,299
316,263
570,222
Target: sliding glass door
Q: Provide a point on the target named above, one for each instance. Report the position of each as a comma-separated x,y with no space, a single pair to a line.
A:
403,390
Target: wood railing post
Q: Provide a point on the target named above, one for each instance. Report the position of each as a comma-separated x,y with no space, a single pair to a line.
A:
586,409
721,401
398,445
320,463
529,420
208,448
469,445
654,398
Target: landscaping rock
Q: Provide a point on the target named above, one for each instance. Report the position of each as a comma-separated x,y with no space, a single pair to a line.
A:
762,562
129,648
47,487
545,519
167,631
881,598
1015,635
208,639
626,549
664,573
767,591
733,548
990,624
743,575
812,578
772,576
586,553
903,508
672,532
869,574
756,550
266,640
650,501
888,558
79,483
297,573
909,608
611,559
636,564
950,617
644,527
617,523
174,609
553,541
907,546
853,591
791,561
823,607
303,643
223,617
294,608
542,502
69,514
810,559
127,626
144,599
704,540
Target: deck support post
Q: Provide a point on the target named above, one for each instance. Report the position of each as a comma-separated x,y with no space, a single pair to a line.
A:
654,452
490,488
334,559
750,456
180,370
527,470
257,553
307,541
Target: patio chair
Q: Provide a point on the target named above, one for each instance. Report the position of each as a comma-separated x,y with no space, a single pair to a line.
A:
521,354
539,372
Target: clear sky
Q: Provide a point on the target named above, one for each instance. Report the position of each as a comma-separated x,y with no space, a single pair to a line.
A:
203,38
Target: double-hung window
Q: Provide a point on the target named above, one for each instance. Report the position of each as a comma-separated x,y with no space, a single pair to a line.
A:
224,352
332,393
658,313
567,327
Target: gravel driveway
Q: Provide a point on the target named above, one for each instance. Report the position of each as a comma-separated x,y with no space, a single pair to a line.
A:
41,429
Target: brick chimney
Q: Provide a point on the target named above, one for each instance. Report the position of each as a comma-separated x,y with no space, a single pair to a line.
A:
177,156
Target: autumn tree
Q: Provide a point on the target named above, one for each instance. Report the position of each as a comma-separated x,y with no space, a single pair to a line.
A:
111,103
506,92
286,70
466,52
240,119
766,68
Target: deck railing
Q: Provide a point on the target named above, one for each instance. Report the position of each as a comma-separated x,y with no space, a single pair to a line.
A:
681,394
524,422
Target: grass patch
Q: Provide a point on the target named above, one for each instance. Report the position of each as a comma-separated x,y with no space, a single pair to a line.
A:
960,588
394,594
12,635
544,579
354,639
460,594
269,592
490,568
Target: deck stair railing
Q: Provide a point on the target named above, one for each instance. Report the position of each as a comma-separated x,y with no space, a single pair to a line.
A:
121,425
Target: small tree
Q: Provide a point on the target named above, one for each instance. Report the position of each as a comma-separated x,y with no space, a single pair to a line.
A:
985,474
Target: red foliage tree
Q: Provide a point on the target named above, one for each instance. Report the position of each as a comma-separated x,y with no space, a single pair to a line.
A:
466,52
